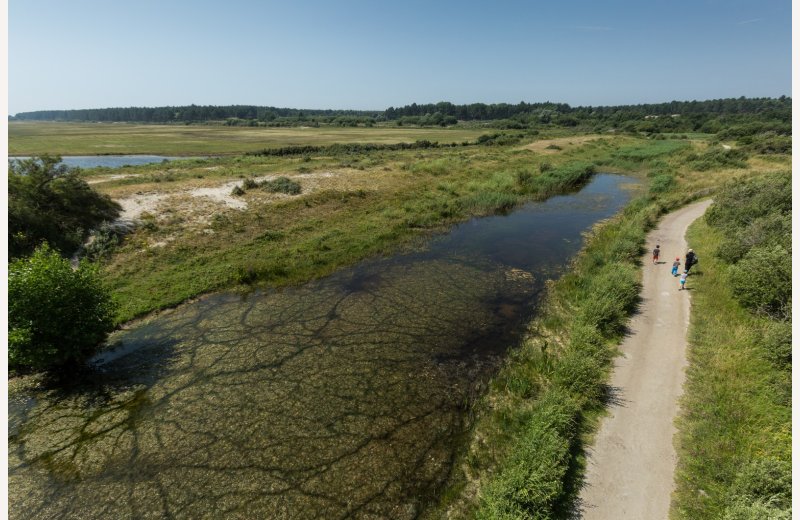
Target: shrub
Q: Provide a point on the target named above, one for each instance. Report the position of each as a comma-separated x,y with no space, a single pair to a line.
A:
49,202
531,481
769,230
739,203
282,185
662,183
777,343
758,510
718,157
762,281
57,316
102,242
762,489
766,479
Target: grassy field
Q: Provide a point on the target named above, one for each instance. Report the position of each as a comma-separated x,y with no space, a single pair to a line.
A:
34,138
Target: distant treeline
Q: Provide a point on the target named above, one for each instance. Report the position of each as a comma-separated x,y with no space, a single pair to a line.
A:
767,114
187,114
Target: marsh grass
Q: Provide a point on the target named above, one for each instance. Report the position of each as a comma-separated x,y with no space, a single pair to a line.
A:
401,197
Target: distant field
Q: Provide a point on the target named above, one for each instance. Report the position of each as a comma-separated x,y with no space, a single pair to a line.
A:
33,138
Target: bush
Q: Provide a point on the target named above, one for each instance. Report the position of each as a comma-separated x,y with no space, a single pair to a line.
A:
282,185
762,281
769,230
739,203
662,183
49,202
766,479
57,316
718,157
102,242
777,343
762,490
531,481
758,510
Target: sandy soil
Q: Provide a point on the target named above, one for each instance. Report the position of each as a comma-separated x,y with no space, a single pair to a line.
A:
187,200
562,142
631,466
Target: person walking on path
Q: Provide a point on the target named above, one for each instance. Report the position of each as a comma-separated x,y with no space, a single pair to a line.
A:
691,259
683,280
630,466
675,265
656,252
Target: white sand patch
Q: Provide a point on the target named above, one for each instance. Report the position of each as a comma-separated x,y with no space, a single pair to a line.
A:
221,194
133,207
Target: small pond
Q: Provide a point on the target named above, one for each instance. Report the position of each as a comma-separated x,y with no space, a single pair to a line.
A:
112,161
345,397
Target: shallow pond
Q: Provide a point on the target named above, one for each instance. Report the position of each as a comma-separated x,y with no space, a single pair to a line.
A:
346,397
112,161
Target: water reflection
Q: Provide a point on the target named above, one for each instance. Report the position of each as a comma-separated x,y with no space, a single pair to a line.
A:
344,397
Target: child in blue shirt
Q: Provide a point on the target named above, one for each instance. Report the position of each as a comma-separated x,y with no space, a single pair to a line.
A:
683,279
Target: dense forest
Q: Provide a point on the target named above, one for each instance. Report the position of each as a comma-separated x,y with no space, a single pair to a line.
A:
770,115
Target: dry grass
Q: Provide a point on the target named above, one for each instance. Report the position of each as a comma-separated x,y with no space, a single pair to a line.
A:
564,143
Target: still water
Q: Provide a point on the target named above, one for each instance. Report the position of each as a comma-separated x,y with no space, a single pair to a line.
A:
112,161
345,397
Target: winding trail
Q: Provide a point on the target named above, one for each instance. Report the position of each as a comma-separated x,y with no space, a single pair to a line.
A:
631,466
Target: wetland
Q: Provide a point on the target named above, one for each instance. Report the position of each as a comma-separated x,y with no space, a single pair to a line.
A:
347,396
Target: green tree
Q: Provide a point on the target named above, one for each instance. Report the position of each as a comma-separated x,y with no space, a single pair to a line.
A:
57,315
49,202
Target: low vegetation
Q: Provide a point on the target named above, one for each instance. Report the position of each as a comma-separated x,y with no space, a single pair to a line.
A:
735,440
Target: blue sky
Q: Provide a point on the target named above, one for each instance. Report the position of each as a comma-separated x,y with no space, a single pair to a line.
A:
362,54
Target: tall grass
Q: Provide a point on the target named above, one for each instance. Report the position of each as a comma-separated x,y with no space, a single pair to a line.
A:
735,427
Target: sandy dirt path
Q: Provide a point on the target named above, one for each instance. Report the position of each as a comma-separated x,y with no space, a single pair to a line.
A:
631,466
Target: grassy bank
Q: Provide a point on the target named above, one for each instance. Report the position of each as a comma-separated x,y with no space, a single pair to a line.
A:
737,405
526,457
350,207
735,428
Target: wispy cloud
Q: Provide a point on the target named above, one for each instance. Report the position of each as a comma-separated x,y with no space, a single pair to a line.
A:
754,20
590,28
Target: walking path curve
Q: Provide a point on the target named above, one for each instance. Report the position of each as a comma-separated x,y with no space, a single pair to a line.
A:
631,466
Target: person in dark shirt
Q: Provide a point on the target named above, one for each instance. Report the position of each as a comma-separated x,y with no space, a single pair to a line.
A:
691,259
